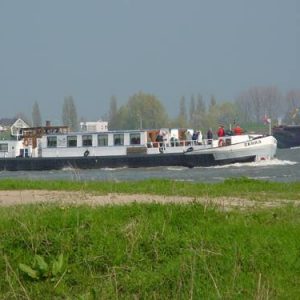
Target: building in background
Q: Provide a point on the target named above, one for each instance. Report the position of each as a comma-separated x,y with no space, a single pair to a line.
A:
98,126
12,126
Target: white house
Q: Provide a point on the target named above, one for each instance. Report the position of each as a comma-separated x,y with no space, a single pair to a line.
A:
98,126
13,125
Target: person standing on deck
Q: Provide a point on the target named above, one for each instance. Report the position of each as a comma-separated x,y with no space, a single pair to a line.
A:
221,131
237,130
209,136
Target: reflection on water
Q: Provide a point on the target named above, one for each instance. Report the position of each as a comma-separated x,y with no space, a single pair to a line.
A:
284,168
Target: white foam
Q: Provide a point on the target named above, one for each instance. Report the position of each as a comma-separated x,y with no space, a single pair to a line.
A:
261,163
113,169
175,169
68,169
184,180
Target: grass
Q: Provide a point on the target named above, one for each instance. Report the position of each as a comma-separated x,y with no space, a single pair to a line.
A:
244,187
151,251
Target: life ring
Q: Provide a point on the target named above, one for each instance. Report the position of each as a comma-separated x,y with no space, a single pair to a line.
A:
221,143
190,149
86,153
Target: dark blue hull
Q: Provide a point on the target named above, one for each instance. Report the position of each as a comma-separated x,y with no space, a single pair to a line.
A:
130,161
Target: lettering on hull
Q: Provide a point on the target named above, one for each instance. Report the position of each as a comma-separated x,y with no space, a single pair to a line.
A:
251,143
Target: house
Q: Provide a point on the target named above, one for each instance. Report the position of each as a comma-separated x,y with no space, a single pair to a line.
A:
12,125
97,126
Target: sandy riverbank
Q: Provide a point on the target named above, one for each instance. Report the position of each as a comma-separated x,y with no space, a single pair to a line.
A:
11,198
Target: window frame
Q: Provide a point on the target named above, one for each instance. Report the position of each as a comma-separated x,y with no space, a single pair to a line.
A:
70,139
105,139
5,148
51,141
87,140
135,135
121,137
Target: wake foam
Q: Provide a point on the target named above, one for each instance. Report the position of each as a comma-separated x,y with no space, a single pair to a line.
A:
113,169
261,163
176,168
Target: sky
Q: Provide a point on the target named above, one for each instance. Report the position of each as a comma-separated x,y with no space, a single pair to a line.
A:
94,49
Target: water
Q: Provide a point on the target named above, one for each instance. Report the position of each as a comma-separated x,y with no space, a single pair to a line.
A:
285,168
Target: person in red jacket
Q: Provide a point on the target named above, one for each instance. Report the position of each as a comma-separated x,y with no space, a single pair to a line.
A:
237,130
221,131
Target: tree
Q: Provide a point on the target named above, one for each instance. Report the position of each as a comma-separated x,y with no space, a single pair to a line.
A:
182,116
212,103
113,114
292,99
192,110
228,114
244,108
69,114
199,115
271,101
200,107
142,111
258,101
212,116
292,114
36,115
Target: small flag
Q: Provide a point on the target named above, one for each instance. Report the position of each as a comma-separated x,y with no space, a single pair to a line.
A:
266,120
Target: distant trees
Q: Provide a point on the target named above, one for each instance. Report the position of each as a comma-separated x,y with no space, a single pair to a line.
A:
292,115
144,110
69,114
293,99
36,115
254,103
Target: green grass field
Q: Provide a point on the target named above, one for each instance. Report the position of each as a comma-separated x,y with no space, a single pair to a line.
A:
151,251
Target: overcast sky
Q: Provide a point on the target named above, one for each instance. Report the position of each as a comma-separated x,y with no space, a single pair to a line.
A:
94,49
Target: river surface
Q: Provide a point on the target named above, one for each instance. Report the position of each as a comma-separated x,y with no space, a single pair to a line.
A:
284,168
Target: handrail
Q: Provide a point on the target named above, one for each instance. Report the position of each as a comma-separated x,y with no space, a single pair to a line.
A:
176,143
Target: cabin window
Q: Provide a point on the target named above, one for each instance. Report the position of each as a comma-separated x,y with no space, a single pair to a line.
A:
4,147
87,140
118,139
51,141
72,141
135,138
102,140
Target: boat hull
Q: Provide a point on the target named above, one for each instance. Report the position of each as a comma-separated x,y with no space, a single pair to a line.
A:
98,162
287,136
193,155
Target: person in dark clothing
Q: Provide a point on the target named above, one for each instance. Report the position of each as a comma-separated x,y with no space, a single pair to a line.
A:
209,136
160,140
195,136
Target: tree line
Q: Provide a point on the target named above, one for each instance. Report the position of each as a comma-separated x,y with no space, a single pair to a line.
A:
249,109
146,111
